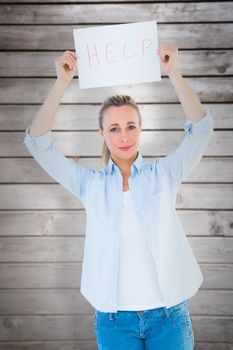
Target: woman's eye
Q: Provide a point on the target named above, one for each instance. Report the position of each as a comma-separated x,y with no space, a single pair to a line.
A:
131,126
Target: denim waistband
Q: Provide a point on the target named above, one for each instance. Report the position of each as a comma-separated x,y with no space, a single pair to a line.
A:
150,312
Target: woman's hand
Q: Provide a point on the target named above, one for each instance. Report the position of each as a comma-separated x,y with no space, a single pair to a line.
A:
66,66
168,56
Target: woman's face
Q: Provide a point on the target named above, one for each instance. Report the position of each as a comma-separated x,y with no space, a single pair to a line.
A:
121,128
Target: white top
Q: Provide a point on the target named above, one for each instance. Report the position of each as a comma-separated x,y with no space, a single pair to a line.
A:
138,287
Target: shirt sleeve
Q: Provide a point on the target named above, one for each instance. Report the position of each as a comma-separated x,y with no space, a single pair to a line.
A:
65,171
180,162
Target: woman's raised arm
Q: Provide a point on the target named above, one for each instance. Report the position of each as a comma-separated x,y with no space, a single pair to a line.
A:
69,173
65,67
189,100
199,122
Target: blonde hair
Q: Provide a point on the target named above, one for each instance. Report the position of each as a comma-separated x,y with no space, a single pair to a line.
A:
115,100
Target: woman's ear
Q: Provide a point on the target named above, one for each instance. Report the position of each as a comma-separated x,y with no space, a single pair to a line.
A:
101,133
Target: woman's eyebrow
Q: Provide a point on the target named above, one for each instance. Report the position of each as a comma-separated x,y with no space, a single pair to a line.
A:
119,124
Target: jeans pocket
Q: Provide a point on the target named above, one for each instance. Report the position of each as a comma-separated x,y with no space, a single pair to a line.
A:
181,306
95,323
189,325
182,318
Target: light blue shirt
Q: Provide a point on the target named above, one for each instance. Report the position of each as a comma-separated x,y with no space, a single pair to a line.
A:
153,189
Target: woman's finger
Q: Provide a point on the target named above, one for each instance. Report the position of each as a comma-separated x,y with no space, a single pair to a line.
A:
167,46
165,53
72,59
68,62
72,54
168,49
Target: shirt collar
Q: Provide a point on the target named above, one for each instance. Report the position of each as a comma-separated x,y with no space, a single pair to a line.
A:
137,164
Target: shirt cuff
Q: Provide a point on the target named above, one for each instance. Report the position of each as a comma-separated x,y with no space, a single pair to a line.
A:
41,142
206,123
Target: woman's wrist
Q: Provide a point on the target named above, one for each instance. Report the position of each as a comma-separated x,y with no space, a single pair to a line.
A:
61,84
175,74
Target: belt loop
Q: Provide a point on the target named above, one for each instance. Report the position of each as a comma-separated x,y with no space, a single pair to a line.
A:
166,311
110,315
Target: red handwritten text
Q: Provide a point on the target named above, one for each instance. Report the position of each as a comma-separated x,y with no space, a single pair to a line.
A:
92,52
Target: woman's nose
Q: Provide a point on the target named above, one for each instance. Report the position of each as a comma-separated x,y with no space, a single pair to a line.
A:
124,138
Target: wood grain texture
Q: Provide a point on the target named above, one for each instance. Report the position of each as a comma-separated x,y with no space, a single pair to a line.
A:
85,1
70,249
66,275
38,64
41,307
60,37
83,117
209,89
23,170
116,13
80,327
90,345
51,301
76,144
15,197
215,223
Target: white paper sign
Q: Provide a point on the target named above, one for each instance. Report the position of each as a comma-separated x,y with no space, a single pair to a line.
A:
117,54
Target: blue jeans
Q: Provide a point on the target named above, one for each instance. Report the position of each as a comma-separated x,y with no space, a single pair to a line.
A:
153,329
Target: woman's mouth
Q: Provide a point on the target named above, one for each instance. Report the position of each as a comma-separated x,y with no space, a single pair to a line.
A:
125,149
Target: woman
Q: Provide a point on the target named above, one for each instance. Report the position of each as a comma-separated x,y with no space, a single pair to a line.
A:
138,268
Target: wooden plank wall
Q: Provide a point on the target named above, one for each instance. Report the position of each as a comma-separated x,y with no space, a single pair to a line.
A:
43,225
